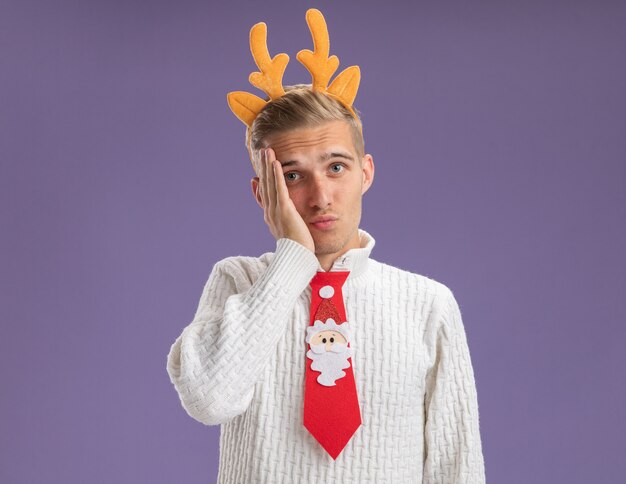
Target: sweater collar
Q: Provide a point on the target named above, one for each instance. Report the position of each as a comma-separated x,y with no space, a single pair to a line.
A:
355,260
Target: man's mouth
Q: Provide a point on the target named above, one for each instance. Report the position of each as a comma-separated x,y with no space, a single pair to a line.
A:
324,222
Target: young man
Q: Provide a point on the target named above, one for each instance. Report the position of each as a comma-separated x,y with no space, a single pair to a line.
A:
363,377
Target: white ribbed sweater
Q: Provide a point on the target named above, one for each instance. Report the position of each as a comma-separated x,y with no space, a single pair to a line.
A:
241,363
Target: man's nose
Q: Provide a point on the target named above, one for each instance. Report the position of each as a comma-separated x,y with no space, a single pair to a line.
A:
319,195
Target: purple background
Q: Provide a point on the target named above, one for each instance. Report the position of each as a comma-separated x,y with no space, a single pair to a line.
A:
498,133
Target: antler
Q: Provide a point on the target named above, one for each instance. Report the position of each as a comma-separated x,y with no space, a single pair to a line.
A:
247,106
270,79
345,86
317,62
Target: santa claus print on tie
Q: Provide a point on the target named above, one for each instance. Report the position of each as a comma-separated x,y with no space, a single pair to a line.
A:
329,350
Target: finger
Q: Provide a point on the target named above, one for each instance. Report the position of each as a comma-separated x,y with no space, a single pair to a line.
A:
263,177
271,178
281,185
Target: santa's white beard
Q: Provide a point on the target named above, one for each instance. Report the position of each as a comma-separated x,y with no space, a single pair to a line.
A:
330,363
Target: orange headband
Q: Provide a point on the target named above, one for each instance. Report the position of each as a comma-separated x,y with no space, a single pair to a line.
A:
344,87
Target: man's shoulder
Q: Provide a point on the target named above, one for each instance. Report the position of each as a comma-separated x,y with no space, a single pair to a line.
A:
404,277
244,263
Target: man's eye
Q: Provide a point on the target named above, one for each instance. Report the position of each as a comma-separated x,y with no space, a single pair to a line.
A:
337,168
291,176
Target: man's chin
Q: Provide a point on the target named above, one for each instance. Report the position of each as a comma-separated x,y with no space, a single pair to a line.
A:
330,242
327,245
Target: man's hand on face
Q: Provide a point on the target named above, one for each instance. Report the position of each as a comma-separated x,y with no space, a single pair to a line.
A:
279,212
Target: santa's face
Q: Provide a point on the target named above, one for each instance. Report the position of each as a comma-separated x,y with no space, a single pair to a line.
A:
330,358
328,338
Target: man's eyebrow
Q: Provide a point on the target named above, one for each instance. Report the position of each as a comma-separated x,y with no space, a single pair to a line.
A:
328,156
324,157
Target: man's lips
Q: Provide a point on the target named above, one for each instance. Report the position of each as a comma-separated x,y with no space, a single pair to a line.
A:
323,222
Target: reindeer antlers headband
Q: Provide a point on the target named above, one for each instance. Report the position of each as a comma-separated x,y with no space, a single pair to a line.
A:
344,87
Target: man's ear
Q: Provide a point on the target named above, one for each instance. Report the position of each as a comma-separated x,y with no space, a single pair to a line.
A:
368,172
256,190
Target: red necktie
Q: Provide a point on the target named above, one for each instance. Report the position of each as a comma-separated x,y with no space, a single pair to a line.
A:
331,403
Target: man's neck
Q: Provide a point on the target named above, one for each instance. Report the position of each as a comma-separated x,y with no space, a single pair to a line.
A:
328,260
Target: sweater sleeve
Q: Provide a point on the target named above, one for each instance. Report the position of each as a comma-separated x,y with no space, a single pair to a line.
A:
219,357
453,449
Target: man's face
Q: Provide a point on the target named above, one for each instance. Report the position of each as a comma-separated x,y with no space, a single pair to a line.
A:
326,181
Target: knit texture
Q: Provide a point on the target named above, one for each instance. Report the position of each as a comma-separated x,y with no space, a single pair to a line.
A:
241,363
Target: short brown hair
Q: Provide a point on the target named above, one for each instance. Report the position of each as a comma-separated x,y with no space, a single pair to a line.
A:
299,107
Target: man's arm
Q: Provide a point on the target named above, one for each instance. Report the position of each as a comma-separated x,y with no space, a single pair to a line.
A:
219,357
453,449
